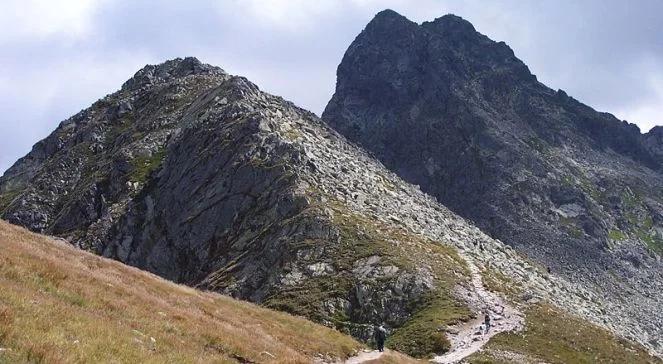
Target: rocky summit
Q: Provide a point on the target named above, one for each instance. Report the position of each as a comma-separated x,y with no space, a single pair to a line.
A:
452,111
198,176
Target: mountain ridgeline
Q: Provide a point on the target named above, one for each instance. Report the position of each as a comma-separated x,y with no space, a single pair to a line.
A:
198,176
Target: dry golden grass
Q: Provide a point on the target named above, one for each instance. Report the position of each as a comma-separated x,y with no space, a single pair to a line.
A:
394,357
60,304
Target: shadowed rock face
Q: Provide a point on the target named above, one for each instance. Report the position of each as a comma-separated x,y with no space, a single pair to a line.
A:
458,114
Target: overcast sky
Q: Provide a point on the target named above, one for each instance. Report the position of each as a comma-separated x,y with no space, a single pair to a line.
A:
57,57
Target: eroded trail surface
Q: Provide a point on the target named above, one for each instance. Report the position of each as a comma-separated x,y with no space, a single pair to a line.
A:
468,337
364,356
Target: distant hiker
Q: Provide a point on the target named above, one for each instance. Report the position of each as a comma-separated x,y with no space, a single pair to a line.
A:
380,337
486,321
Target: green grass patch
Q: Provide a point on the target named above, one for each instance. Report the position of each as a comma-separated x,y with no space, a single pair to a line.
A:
143,166
538,144
616,235
117,129
571,227
423,334
589,187
555,337
630,199
651,239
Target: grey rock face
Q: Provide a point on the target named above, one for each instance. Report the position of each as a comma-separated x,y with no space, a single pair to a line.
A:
654,141
458,114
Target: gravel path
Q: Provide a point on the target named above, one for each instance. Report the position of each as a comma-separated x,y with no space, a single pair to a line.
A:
468,337
364,356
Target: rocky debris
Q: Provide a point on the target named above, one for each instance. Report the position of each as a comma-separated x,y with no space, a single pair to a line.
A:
514,357
456,113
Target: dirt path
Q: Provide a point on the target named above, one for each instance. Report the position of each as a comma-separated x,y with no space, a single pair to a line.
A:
468,337
364,356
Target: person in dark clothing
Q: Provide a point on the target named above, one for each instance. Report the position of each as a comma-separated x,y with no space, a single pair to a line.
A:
380,337
486,321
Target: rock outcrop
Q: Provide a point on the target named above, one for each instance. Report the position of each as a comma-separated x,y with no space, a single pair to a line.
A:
456,113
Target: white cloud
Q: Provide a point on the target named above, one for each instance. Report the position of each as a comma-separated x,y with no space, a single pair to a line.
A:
21,19
290,15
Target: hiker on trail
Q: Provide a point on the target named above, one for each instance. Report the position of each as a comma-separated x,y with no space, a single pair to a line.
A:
486,321
380,337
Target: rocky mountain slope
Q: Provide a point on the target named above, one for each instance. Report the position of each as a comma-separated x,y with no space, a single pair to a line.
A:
201,178
456,113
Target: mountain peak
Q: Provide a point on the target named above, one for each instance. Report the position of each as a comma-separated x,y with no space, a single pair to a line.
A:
168,70
389,22
388,14
450,23
458,114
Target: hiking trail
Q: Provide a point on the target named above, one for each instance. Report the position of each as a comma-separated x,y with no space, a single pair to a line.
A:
364,356
469,337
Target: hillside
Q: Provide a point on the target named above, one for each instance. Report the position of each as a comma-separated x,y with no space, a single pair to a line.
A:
61,304
201,178
458,114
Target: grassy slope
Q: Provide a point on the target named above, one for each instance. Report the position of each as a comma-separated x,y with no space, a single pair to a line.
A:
59,304
553,336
